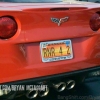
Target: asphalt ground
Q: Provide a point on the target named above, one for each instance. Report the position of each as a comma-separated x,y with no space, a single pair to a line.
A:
89,90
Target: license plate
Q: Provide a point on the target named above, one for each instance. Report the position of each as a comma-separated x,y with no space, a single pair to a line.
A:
56,50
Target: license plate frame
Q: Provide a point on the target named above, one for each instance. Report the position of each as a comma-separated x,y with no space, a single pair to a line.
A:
65,43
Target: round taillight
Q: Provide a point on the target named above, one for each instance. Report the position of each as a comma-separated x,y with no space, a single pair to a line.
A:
8,27
95,22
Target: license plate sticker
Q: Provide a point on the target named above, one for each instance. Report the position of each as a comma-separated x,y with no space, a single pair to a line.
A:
56,50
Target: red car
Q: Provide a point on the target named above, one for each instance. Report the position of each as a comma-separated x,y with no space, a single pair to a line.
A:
54,42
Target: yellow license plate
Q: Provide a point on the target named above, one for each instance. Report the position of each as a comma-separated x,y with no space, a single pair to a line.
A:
56,50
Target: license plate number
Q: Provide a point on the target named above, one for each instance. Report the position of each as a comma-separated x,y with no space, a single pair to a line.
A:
56,50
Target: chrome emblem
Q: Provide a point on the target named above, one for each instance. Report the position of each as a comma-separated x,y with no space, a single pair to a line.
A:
59,21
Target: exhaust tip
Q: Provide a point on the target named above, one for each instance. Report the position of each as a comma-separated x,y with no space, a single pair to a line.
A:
44,93
4,92
60,86
70,84
31,94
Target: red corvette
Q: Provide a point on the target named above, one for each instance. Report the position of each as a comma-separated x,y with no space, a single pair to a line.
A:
47,40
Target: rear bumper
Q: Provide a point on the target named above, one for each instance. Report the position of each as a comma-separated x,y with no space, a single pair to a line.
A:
79,73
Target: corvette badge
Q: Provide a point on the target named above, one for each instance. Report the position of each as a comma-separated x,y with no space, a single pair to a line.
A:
59,21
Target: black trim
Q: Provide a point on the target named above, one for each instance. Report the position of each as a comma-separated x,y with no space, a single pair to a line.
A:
27,81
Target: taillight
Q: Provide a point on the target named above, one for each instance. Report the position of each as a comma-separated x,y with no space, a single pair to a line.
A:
95,22
8,27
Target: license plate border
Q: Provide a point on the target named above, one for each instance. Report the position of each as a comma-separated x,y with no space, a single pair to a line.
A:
56,41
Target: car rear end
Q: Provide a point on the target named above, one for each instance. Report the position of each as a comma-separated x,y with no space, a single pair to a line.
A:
44,42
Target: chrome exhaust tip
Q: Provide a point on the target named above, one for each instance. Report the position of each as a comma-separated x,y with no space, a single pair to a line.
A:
60,86
70,84
4,92
44,93
31,94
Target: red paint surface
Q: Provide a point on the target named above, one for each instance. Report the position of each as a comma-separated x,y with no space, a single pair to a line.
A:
20,56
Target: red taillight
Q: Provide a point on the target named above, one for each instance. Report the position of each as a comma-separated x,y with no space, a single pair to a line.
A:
8,27
95,22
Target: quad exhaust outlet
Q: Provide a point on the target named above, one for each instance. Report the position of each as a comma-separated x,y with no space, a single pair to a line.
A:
60,86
